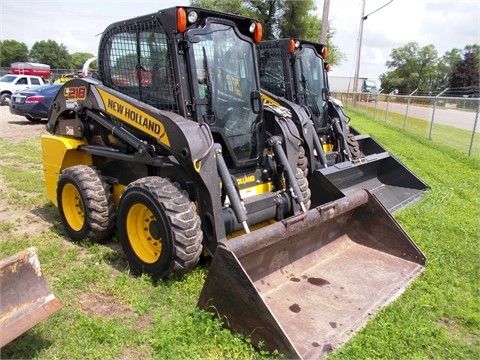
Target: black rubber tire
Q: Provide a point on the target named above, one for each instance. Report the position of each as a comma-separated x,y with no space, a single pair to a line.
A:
304,188
303,161
5,99
353,146
85,203
159,228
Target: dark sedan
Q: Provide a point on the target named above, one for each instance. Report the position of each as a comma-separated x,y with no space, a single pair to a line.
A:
34,103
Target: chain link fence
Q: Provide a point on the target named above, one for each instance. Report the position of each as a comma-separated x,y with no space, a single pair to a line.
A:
452,121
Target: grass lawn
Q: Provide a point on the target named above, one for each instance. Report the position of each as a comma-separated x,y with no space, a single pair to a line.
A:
438,317
108,314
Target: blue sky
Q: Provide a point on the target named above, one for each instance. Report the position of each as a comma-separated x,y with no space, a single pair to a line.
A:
444,24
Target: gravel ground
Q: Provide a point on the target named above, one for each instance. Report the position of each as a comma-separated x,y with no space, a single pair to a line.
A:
17,128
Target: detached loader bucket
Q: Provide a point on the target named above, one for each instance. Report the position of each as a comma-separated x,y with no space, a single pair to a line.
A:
304,285
25,298
379,172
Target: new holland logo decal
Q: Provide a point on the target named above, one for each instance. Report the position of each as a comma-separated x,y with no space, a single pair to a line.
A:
134,116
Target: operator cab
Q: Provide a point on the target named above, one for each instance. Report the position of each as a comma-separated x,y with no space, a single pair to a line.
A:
310,82
201,67
301,79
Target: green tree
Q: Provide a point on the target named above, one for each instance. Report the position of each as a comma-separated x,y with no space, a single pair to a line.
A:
266,13
445,67
77,60
411,67
12,51
51,53
297,21
465,76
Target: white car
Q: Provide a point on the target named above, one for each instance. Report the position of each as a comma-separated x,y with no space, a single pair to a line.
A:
11,83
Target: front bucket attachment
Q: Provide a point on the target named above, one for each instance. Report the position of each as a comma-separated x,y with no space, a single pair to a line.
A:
305,284
25,297
379,172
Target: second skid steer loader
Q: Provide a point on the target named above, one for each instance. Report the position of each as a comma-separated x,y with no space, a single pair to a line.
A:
172,148
293,70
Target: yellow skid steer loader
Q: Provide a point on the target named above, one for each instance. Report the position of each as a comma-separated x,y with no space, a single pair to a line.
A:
171,147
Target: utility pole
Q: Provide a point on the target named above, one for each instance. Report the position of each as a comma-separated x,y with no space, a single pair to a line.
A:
359,50
324,32
359,45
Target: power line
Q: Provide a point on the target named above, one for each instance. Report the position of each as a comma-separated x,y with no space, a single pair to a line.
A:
373,12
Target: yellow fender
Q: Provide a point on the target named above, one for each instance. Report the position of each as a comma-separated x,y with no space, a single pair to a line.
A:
60,153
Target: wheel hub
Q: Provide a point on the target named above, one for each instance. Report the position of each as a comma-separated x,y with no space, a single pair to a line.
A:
154,229
144,233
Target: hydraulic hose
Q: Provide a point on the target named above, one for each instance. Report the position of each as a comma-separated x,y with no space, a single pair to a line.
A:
275,143
227,183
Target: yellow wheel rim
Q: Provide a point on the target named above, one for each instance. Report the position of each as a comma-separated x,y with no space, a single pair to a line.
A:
143,233
73,207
